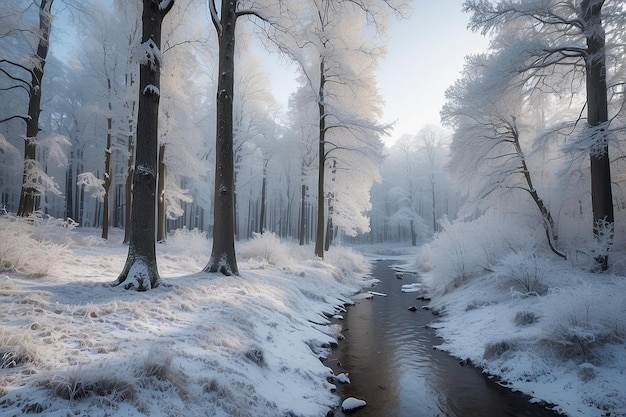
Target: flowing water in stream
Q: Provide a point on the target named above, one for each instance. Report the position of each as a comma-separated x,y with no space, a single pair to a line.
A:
388,352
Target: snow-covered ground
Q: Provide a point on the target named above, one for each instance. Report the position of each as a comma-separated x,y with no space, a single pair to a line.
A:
206,345
539,324
209,345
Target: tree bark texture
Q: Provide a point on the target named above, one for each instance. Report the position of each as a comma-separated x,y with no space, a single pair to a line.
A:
321,158
28,194
128,186
303,219
108,172
597,114
161,232
263,198
223,257
140,271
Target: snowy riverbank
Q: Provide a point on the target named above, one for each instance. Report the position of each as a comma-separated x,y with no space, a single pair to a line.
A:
207,345
542,326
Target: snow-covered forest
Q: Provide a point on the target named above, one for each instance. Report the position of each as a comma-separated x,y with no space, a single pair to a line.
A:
125,124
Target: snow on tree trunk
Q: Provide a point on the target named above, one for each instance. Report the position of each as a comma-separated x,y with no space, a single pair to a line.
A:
223,257
108,172
597,115
128,186
28,193
140,271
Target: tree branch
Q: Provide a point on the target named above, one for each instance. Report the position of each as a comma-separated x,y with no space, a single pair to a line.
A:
25,118
214,17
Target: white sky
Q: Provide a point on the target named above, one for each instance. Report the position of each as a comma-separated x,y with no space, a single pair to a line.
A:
425,56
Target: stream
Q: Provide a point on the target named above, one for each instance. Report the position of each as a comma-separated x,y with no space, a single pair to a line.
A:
388,353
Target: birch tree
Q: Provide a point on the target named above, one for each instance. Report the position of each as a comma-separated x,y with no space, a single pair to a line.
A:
565,34
140,271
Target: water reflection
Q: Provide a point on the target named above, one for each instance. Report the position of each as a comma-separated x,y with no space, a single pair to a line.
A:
389,354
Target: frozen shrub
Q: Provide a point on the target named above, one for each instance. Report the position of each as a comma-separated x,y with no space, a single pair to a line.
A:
193,243
576,319
586,372
525,318
525,270
158,364
16,350
255,355
347,259
463,250
26,249
78,382
495,349
265,246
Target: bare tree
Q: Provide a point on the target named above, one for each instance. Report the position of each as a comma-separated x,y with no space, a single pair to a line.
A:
140,271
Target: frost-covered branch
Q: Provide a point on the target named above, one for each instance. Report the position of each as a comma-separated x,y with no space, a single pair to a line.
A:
94,186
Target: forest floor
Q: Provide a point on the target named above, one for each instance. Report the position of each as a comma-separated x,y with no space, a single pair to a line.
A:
210,345
205,345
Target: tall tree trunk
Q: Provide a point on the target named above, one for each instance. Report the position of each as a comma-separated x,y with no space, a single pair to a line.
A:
27,196
331,209
263,198
321,158
328,239
303,211
161,234
128,186
69,187
140,271
432,193
108,173
597,115
130,106
223,257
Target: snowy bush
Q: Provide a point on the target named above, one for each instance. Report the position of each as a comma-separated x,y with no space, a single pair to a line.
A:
525,270
192,243
463,250
25,246
158,364
16,350
595,248
79,382
525,318
347,259
580,317
265,246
